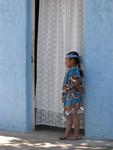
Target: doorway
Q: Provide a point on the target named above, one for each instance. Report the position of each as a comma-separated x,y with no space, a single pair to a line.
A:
52,115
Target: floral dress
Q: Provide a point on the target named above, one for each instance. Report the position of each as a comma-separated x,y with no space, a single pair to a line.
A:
71,98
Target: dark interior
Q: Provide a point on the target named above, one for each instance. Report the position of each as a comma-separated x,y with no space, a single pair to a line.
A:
36,36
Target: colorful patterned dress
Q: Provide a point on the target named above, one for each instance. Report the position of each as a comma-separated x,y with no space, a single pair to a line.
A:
71,97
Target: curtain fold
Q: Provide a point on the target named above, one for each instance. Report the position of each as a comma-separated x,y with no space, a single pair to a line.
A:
60,30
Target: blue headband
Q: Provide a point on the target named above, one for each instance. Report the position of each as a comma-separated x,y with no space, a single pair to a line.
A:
71,56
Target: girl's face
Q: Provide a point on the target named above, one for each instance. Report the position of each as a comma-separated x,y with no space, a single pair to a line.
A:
69,62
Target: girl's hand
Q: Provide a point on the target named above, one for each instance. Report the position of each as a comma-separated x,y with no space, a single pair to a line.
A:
75,80
62,100
65,88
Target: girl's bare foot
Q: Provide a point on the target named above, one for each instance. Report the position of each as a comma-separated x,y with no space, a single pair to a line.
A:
75,137
64,137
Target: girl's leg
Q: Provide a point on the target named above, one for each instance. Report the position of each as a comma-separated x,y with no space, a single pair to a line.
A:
69,123
76,122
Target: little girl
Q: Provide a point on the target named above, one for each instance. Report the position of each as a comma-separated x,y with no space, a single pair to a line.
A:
72,95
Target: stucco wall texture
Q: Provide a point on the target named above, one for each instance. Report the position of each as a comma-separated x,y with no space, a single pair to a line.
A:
14,103
99,68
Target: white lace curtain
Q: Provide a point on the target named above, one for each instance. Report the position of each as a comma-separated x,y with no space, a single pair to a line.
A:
60,30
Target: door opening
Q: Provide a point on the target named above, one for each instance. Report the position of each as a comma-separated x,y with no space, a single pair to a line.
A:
42,115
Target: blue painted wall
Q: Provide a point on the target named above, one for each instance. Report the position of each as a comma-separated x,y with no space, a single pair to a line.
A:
15,65
99,68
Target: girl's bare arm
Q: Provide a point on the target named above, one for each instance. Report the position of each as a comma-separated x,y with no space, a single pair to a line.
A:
77,85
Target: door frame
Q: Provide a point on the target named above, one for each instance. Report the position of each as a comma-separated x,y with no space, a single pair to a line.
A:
33,65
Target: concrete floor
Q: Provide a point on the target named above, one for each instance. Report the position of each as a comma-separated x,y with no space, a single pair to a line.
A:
47,140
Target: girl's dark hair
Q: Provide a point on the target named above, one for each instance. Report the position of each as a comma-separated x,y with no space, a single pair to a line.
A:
77,60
